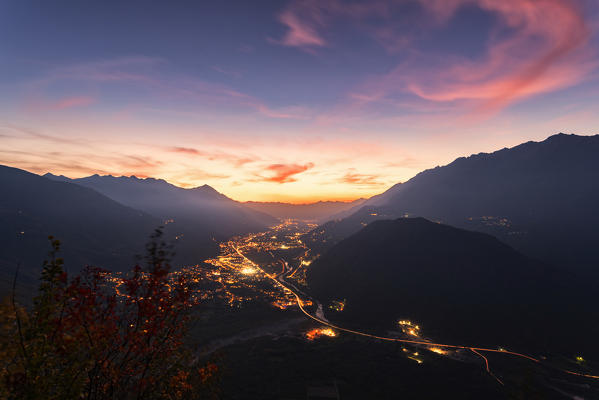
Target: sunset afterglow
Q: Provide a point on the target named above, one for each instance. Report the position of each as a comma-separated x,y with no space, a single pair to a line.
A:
290,101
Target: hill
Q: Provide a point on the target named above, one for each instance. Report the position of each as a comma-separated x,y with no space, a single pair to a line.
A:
460,286
539,197
93,229
198,217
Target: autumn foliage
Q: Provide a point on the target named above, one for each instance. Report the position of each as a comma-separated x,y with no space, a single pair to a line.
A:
96,337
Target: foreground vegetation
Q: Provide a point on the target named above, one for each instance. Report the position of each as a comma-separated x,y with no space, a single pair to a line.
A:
86,338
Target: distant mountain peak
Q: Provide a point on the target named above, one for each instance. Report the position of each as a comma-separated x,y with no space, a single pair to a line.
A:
205,186
60,178
538,196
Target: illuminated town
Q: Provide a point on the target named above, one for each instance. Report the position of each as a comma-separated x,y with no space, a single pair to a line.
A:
269,268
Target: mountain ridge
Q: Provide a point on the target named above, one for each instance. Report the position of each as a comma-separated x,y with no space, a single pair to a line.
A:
197,218
538,197
460,286
92,228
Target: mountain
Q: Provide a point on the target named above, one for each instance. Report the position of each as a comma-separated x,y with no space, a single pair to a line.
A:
540,197
198,217
93,228
320,211
460,286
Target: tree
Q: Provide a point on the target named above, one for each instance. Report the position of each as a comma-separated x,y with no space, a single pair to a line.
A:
98,336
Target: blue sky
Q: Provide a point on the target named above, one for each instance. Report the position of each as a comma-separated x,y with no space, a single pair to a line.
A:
288,100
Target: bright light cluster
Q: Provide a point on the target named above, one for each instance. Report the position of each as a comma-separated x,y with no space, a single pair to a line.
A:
409,328
317,332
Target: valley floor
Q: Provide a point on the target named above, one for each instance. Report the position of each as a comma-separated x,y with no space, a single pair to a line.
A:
275,341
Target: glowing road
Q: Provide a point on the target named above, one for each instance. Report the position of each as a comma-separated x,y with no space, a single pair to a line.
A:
286,286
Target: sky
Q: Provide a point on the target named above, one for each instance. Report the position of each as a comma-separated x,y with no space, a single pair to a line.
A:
291,101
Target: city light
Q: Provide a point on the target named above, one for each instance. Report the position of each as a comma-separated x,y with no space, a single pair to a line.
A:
248,271
317,332
437,350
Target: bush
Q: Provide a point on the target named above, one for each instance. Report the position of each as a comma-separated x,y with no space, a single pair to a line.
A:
98,337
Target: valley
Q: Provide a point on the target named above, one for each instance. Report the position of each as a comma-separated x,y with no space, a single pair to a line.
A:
299,199
260,281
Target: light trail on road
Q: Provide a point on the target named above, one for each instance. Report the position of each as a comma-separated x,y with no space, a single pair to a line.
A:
409,341
487,366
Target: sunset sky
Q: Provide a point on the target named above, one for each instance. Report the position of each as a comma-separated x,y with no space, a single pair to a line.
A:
289,100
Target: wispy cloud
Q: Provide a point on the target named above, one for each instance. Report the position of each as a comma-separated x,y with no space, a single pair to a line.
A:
301,32
543,54
26,132
227,71
40,104
71,156
307,20
546,51
186,150
145,74
354,178
236,159
284,173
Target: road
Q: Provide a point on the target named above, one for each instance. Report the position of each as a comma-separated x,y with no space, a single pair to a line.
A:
280,281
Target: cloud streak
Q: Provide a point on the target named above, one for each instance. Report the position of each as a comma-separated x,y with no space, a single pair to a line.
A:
354,178
537,46
284,173
546,50
235,159
540,56
60,104
144,74
301,33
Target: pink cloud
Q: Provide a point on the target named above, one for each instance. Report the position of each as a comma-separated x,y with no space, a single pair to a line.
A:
72,102
544,54
361,179
547,50
185,150
40,104
235,159
283,173
300,33
306,19
543,47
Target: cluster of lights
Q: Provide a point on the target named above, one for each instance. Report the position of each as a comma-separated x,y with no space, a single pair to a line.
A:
233,272
283,305
438,350
235,280
338,305
412,355
317,332
248,270
409,328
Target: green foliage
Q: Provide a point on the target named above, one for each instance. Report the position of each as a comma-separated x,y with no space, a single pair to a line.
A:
97,337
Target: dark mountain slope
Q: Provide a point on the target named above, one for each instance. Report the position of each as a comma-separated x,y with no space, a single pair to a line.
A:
461,286
200,216
93,229
540,197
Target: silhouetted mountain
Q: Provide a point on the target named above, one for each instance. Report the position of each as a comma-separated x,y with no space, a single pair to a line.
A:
93,229
460,286
200,216
320,211
540,197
